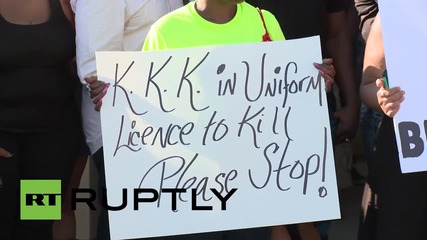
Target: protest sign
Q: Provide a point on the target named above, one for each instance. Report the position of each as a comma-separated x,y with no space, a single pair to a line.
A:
405,48
216,138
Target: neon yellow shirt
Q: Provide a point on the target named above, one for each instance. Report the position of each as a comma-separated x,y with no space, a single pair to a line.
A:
185,28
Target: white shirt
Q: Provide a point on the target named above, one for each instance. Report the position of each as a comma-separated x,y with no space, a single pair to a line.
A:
110,25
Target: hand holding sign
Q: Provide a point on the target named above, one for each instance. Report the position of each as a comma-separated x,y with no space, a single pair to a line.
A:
389,99
97,90
327,71
404,54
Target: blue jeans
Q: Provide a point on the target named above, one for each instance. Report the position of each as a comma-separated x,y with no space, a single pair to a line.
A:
369,122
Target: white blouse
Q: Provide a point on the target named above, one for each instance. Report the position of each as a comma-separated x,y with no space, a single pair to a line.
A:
110,25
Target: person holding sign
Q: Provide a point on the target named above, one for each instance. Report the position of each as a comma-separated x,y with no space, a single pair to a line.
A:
402,198
218,22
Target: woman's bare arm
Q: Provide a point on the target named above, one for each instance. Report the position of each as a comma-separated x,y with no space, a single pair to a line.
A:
373,66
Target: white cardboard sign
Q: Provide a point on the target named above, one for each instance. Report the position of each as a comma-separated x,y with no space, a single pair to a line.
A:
208,120
405,37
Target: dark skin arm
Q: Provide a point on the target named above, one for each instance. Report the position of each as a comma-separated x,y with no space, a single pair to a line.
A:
340,48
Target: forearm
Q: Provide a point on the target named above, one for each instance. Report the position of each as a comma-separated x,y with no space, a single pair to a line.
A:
340,50
373,67
368,95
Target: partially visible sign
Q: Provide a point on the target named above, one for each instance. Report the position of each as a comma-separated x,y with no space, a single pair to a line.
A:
405,44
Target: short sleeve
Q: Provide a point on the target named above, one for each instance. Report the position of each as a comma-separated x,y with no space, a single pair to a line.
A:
273,26
367,10
154,41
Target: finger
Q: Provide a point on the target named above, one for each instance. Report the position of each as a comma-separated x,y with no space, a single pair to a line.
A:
385,93
97,84
327,68
391,106
98,105
329,71
391,91
325,65
392,113
98,98
95,92
330,67
101,94
91,79
332,72
394,97
326,76
4,153
390,109
327,60
102,90
379,83
381,97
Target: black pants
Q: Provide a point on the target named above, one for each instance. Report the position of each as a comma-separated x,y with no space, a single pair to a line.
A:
41,155
103,231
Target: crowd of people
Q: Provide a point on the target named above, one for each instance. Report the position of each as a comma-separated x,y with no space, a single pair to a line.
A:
50,97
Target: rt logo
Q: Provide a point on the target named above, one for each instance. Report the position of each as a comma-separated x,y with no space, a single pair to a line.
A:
40,199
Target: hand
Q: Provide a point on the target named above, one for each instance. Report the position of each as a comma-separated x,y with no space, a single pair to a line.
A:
327,71
389,99
4,153
348,121
98,89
